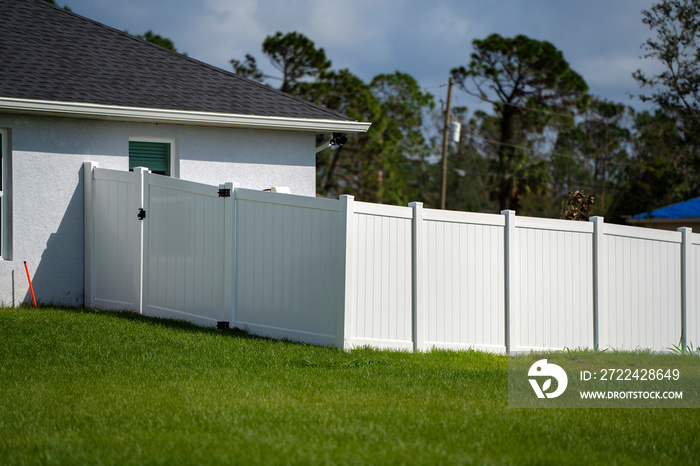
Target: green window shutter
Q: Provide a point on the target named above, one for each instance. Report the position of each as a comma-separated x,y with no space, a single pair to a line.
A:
153,155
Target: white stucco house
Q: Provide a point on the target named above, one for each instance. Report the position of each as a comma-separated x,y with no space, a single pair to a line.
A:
73,90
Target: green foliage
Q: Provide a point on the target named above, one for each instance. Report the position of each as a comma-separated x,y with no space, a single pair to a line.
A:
248,68
399,133
53,2
404,104
523,73
669,140
468,174
545,137
593,152
354,168
296,57
689,348
652,178
677,47
375,166
157,39
530,85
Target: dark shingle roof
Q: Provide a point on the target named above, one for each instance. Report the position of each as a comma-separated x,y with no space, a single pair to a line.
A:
47,53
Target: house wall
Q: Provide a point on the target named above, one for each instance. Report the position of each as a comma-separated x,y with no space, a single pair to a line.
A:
47,186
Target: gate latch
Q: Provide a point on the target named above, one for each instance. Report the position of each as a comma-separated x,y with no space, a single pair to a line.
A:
142,214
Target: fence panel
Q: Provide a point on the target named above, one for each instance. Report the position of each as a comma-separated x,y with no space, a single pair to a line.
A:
382,285
289,274
185,265
463,289
553,284
642,305
114,247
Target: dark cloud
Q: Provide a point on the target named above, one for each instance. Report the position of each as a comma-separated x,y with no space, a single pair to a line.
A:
600,38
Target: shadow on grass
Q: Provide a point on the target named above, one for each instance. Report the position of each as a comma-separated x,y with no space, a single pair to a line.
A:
175,324
358,357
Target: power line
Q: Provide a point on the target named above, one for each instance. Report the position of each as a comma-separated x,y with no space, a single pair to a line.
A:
529,150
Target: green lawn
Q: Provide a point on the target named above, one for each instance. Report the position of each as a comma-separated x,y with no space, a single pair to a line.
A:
91,388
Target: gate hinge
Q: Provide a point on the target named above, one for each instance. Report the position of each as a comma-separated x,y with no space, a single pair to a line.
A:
225,192
142,214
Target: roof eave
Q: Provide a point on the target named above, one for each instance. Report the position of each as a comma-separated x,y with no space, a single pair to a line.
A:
181,117
662,220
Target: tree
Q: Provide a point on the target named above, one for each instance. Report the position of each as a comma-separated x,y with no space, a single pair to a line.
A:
344,92
293,54
248,68
157,39
296,57
378,165
529,83
677,47
676,89
653,176
403,105
592,153
53,2
468,164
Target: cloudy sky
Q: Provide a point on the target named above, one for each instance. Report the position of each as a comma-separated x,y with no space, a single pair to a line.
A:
601,39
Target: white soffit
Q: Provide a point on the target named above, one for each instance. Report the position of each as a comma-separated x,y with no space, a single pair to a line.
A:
181,117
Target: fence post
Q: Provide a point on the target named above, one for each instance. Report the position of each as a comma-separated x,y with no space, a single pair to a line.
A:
685,264
598,276
347,304
418,321
227,256
140,235
88,234
230,263
511,304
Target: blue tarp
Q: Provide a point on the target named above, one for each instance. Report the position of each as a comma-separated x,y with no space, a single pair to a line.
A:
685,209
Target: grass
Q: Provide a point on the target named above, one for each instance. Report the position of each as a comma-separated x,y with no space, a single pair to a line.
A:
83,387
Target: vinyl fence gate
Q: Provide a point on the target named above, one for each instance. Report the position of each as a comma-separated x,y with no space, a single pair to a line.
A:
157,245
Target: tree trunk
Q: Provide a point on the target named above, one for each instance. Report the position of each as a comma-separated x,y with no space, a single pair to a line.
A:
331,169
505,151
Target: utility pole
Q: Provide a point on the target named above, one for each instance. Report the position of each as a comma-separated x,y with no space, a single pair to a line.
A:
445,137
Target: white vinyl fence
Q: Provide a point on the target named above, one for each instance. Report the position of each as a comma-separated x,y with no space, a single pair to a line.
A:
348,274
289,266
